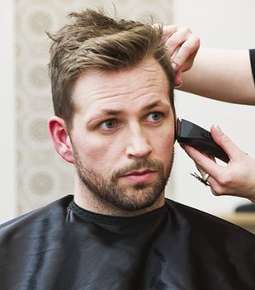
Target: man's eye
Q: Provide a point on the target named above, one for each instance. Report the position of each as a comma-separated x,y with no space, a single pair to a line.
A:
155,116
109,124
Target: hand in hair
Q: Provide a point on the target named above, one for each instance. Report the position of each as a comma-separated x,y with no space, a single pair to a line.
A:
182,46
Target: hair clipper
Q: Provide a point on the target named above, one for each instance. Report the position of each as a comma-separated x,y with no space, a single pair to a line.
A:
199,138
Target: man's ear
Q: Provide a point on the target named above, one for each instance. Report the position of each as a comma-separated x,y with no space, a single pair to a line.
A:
60,137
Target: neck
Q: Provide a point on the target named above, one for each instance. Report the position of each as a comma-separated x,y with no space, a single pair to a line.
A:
89,201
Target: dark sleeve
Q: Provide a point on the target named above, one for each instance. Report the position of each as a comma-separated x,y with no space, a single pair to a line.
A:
252,57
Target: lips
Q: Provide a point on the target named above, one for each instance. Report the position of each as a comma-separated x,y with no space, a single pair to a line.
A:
139,172
139,176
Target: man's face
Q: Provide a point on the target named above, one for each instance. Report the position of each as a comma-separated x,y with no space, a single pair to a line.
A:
123,134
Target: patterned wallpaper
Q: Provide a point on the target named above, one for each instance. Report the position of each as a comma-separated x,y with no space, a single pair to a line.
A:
42,176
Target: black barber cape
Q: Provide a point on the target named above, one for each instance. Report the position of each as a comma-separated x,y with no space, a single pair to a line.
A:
64,247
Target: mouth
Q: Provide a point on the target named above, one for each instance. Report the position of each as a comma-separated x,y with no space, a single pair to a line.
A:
139,172
139,176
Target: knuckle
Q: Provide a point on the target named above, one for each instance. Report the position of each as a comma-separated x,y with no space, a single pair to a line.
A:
170,42
219,191
215,191
226,180
191,44
187,45
225,139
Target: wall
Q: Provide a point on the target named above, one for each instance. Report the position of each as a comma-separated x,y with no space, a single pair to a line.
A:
7,110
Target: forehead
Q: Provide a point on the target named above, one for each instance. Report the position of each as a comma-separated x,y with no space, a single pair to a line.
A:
121,90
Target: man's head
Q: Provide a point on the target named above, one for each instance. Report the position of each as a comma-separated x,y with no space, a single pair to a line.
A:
112,86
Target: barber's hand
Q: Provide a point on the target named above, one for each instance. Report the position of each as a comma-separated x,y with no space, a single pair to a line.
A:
237,178
182,46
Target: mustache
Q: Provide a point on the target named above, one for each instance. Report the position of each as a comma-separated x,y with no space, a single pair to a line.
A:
153,165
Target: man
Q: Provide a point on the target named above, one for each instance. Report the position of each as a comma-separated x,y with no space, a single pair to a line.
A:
112,86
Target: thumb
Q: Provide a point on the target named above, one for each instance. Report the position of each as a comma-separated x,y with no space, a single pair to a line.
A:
225,142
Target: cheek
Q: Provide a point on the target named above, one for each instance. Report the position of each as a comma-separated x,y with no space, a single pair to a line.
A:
99,153
164,144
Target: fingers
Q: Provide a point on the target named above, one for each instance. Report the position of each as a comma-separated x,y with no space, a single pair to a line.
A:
168,31
236,178
211,172
226,143
177,38
215,187
202,172
182,45
187,50
207,164
223,186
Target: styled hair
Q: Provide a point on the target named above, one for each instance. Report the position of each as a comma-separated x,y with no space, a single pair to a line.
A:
95,41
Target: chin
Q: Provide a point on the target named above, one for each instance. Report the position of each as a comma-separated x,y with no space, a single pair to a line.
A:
138,200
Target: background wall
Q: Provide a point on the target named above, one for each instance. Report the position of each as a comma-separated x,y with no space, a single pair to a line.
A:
40,176
7,113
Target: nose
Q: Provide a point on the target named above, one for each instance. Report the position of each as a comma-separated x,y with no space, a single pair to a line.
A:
138,144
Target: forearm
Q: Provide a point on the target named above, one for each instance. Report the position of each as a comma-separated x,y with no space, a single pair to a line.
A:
224,75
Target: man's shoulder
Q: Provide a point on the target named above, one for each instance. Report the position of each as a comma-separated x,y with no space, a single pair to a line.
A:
54,211
202,222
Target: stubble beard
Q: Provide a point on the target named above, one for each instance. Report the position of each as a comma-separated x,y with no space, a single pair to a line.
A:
129,197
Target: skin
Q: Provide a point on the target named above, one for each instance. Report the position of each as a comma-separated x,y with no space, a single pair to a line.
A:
182,46
105,146
223,75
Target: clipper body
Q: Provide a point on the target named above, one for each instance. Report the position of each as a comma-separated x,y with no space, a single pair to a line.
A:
199,138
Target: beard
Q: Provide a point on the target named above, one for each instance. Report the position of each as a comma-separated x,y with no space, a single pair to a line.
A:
129,197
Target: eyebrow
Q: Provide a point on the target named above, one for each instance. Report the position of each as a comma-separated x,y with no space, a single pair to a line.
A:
154,104
148,107
112,112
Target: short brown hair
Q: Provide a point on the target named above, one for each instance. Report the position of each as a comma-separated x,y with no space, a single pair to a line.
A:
96,41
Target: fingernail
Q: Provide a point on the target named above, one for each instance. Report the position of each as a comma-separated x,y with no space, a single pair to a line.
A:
178,84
